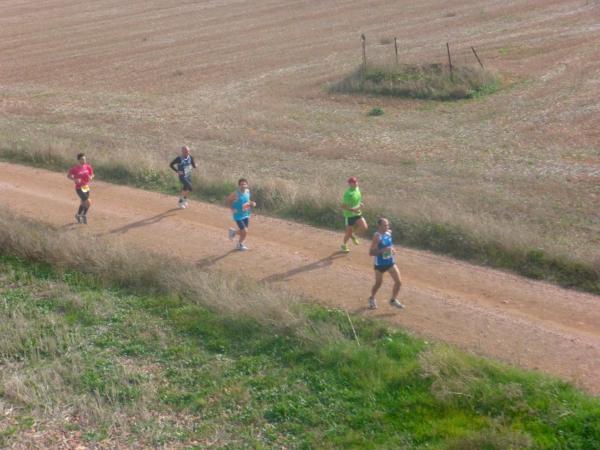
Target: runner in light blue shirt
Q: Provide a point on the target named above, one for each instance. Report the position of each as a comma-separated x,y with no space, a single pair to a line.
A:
241,207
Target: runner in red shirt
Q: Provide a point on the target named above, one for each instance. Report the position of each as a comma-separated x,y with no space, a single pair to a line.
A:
82,174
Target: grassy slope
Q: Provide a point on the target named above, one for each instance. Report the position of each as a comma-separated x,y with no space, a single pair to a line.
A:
110,366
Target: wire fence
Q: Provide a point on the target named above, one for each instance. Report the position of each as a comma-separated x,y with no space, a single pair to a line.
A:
386,51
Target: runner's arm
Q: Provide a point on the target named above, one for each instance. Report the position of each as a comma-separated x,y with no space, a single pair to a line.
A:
174,163
230,199
193,163
373,250
347,208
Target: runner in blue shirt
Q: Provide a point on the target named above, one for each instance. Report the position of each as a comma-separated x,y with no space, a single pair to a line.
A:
384,253
183,165
241,207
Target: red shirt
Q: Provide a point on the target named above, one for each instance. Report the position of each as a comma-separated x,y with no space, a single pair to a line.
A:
82,174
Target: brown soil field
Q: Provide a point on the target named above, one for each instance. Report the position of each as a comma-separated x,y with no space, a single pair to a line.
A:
244,84
530,324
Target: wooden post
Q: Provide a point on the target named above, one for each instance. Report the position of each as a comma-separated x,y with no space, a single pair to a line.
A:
364,54
478,60
396,49
450,62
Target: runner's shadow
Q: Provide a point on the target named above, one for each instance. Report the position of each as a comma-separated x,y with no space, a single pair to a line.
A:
68,226
320,264
210,260
144,222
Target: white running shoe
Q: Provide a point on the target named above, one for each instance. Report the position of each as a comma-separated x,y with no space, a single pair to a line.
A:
241,247
396,304
372,303
78,218
181,204
231,233
84,219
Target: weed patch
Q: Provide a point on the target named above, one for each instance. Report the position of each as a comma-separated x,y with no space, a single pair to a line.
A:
426,82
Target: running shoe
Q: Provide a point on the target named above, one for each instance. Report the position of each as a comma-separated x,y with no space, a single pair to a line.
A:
241,247
355,240
231,234
396,304
181,204
345,248
84,219
78,218
372,303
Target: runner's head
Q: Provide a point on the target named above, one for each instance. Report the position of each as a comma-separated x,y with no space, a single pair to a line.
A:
81,158
353,182
243,184
383,225
185,151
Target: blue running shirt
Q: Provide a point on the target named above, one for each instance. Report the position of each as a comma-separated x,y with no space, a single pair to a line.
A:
386,258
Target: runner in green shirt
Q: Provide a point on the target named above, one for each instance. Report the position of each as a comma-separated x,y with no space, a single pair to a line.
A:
353,219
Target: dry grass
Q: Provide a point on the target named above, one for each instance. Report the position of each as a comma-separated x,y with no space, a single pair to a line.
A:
114,264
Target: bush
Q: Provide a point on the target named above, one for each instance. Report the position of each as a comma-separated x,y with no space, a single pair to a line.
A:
377,111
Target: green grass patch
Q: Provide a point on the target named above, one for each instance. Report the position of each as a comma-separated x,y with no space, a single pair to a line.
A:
156,370
377,111
426,82
320,211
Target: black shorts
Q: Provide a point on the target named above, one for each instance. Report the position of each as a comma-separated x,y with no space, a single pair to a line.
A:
83,195
186,183
384,269
350,221
243,224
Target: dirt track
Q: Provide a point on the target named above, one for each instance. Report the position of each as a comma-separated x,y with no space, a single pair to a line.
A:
531,324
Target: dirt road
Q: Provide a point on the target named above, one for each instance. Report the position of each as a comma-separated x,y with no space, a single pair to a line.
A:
530,324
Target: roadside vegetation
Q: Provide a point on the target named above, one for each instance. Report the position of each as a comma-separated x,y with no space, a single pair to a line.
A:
320,208
106,348
425,82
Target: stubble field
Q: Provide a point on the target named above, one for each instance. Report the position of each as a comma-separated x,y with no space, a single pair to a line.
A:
244,84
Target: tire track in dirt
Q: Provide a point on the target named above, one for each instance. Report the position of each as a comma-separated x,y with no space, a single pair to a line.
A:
527,323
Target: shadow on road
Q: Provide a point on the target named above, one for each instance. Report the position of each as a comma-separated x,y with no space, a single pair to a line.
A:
68,226
144,222
320,264
210,260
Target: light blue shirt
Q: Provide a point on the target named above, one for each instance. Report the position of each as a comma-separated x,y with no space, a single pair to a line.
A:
238,206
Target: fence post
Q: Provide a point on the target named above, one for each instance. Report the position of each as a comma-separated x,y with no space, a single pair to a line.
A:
364,54
396,49
478,60
450,61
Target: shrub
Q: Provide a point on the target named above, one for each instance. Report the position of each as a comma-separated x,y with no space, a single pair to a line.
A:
377,111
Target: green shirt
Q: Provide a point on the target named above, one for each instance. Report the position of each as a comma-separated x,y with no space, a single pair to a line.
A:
352,199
